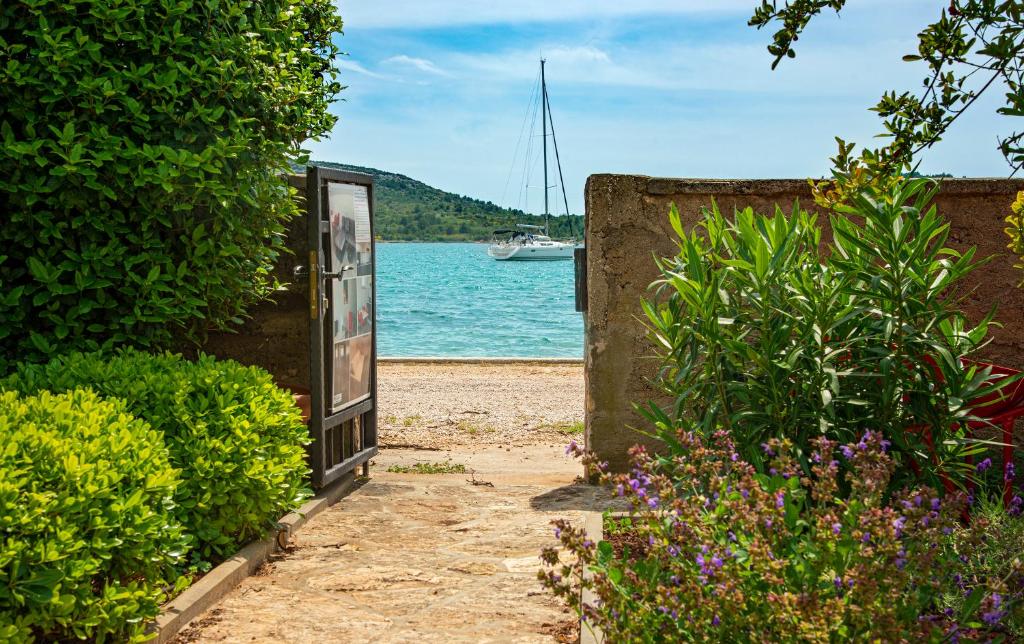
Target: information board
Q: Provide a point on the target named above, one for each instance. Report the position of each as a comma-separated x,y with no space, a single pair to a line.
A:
351,260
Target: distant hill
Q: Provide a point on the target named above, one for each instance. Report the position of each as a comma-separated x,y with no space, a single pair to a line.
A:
410,210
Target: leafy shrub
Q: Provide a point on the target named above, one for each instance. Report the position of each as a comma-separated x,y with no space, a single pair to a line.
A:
237,439
142,145
87,535
712,550
768,332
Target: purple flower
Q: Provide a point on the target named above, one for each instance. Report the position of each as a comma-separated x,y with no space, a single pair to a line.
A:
838,581
558,533
1016,506
886,445
936,504
587,543
1009,471
745,493
847,451
984,465
716,561
993,616
733,457
772,471
898,526
652,502
715,621
836,528
768,524
780,499
767,449
572,448
866,538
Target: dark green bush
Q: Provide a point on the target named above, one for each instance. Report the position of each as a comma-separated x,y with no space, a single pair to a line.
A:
142,145
88,540
236,437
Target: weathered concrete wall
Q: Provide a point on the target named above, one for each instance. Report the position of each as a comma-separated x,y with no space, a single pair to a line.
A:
627,226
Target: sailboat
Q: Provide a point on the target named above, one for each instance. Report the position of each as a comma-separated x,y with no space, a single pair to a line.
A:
532,243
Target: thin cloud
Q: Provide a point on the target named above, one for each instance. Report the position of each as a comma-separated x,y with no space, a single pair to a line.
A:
421,64
354,67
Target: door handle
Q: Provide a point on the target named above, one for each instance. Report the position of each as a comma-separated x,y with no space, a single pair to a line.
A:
339,274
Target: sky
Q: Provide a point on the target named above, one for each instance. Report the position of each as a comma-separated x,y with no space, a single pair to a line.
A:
440,90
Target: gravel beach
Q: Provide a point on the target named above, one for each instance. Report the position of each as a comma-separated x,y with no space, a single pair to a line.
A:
444,405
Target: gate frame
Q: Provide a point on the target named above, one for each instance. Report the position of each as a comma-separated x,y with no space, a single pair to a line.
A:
321,340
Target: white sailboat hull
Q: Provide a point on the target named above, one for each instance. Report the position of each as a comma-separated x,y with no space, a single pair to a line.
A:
544,252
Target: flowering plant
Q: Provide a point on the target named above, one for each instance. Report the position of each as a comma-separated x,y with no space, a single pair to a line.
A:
714,550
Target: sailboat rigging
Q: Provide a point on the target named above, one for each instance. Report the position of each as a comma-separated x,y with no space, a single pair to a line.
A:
533,243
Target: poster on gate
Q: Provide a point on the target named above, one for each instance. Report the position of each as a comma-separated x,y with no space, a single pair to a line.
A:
352,304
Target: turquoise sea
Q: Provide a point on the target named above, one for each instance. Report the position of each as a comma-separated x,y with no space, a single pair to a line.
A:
453,300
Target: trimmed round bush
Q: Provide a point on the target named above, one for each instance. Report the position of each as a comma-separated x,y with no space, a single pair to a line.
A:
237,438
88,538
142,148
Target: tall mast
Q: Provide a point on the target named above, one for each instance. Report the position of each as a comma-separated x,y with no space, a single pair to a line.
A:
544,120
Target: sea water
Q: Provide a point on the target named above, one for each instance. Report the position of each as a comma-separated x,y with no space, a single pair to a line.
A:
452,300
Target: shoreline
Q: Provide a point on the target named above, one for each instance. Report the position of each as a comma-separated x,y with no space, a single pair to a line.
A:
484,360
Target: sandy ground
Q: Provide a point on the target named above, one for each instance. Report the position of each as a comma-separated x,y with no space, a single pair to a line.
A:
444,406
433,558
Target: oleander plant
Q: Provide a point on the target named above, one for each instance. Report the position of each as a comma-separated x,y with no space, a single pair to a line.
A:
820,474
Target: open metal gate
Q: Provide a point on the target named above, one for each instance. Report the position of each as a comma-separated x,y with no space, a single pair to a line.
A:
342,323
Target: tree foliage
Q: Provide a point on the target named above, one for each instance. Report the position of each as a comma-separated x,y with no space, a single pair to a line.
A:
142,144
974,47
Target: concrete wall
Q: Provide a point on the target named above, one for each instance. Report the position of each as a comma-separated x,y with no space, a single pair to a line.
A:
627,225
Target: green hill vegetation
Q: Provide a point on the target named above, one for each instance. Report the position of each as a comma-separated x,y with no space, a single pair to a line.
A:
410,210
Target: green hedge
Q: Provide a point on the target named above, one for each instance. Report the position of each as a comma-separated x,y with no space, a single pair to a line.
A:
88,539
142,144
236,437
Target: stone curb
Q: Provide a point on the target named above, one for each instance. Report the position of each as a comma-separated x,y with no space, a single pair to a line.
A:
593,526
217,583
494,361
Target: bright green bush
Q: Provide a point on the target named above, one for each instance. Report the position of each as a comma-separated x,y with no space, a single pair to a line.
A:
142,144
88,540
767,332
236,437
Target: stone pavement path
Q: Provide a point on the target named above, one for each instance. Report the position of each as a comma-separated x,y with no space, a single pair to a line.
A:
419,558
